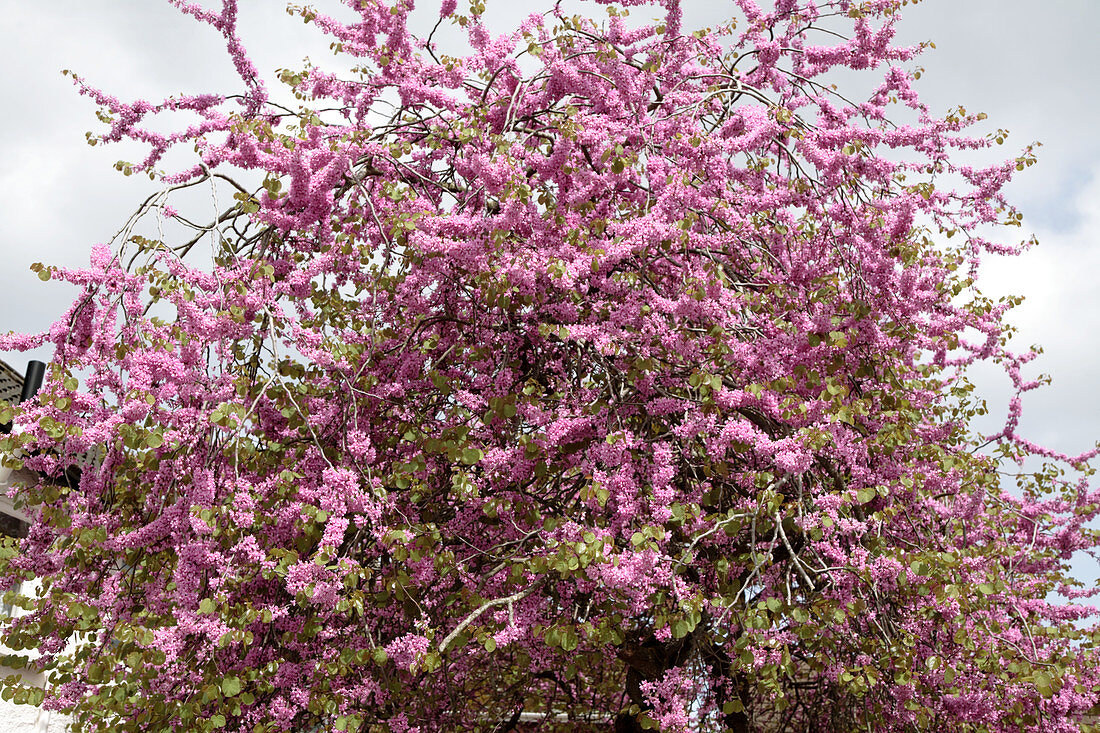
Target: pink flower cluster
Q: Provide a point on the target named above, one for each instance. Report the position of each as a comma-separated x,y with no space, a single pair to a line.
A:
596,370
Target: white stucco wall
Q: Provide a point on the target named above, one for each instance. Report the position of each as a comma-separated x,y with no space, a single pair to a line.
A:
29,719
23,718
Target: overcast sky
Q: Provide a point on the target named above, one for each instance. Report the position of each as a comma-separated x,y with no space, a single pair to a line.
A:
1031,70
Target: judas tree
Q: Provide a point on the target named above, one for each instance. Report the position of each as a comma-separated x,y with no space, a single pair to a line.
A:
595,375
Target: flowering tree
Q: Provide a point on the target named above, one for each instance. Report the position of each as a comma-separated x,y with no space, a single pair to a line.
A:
601,375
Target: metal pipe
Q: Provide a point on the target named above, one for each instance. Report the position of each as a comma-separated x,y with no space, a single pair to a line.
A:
36,373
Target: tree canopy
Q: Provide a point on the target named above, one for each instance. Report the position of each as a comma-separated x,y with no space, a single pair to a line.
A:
597,374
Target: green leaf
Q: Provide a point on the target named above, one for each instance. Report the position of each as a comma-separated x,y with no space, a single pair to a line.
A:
231,686
1043,684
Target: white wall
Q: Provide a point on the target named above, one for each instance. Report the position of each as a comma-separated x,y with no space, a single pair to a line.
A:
23,718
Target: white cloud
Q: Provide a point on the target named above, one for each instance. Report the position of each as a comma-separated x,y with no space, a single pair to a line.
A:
1061,313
